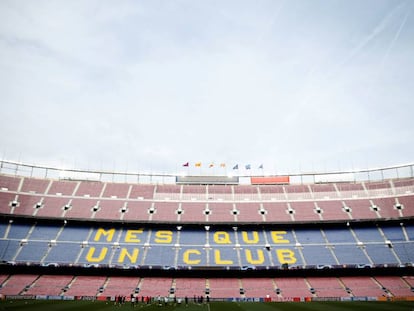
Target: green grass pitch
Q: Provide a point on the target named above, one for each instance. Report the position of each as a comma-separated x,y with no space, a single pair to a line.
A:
20,305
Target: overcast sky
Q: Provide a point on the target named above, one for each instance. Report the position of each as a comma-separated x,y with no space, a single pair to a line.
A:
150,85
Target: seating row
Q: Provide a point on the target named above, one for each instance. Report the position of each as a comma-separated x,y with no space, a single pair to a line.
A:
95,189
206,212
276,288
180,247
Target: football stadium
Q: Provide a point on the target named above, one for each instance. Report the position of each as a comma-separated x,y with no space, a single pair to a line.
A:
206,155
114,237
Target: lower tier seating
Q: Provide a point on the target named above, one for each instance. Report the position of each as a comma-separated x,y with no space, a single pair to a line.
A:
275,288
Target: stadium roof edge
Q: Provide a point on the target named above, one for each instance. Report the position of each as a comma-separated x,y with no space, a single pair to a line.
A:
15,167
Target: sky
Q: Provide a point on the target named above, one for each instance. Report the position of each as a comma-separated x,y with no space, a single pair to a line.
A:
295,86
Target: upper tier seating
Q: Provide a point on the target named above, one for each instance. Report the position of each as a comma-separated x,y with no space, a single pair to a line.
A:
211,204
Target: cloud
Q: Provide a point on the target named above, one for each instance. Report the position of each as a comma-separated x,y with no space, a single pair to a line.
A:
155,84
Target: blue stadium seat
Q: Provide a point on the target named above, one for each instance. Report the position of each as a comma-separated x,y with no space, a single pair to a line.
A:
410,232
32,251
64,253
309,236
8,249
3,228
18,231
368,234
160,255
393,233
318,255
193,237
336,236
405,252
74,234
380,254
350,254
44,232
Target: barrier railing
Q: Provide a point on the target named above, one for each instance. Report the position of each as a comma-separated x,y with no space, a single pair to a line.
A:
355,175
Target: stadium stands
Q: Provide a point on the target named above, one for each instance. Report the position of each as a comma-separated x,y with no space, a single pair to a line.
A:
109,209
33,185
266,230
293,287
165,211
258,287
85,286
120,286
332,210
188,287
363,286
155,287
248,212
17,284
222,288
62,187
302,203
137,211
220,212
327,287
192,212
9,183
49,285
77,244
394,285
277,288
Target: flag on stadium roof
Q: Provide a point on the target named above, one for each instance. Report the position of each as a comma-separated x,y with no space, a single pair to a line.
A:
198,164
261,166
236,167
222,164
186,164
211,164
248,166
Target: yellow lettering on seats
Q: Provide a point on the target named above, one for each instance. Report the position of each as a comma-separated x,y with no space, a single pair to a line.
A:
222,237
186,257
90,255
163,236
219,261
131,236
132,257
108,233
278,238
254,240
260,257
286,256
